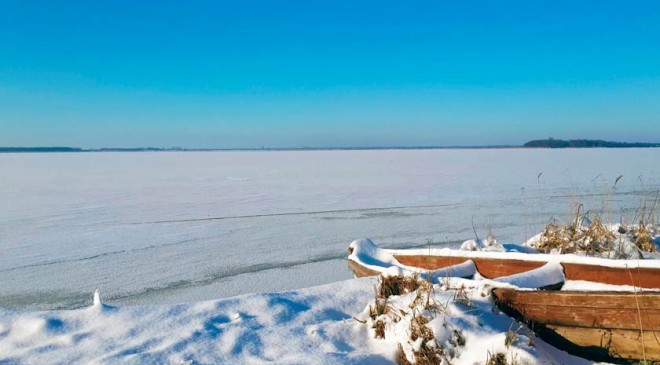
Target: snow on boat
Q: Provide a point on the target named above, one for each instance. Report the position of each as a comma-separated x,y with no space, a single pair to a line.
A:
366,259
597,324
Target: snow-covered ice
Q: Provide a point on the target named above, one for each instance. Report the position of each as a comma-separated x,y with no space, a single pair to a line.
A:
169,227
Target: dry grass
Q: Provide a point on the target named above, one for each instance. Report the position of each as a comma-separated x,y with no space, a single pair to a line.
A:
430,352
593,239
642,238
457,339
380,307
401,358
556,238
499,359
461,297
399,285
418,328
379,328
511,336
426,350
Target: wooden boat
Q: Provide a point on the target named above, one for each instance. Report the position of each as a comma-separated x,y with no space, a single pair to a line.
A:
639,273
599,325
616,326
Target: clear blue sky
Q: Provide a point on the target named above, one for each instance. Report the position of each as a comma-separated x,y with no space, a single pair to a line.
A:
334,73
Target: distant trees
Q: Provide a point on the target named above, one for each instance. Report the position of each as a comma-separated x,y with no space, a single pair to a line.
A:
583,143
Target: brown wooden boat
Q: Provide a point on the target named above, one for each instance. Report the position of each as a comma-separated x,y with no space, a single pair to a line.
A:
615,326
494,265
599,325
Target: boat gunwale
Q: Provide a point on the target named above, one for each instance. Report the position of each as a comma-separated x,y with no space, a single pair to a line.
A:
529,257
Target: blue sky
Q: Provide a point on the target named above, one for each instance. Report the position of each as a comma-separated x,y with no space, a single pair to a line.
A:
215,74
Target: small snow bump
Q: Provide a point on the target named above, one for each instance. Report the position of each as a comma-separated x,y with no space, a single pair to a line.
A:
97,298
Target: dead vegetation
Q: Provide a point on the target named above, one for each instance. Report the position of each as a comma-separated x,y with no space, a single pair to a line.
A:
593,238
424,331
386,312
379,329
461,297
500,358
426,348
642,238
590,233
400,285
511,336
379,309
429,350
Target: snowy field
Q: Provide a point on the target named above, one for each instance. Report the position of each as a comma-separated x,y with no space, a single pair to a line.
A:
172,227
308,326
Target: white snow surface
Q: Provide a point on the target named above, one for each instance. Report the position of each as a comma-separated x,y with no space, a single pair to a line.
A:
548,274
307,326
170,227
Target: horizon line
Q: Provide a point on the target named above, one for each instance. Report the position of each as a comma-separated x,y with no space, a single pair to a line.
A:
181,149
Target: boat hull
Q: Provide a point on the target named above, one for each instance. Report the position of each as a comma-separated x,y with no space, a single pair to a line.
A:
598,325
498,267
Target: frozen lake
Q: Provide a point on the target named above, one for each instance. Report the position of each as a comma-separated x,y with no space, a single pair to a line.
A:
166,227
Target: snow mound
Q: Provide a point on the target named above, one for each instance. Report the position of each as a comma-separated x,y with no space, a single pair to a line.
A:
490,244
549,274
306,326
453,323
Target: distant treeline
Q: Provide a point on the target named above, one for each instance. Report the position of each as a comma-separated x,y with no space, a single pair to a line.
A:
154,149
541,143
76,149
584,143
40,149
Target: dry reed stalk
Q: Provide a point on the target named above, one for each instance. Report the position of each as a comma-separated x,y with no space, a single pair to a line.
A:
639,316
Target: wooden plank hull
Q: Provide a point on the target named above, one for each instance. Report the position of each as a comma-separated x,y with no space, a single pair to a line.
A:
498,267
596,325
489,268
605,344
361,271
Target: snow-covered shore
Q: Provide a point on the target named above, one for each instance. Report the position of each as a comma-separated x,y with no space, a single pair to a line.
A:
307,326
